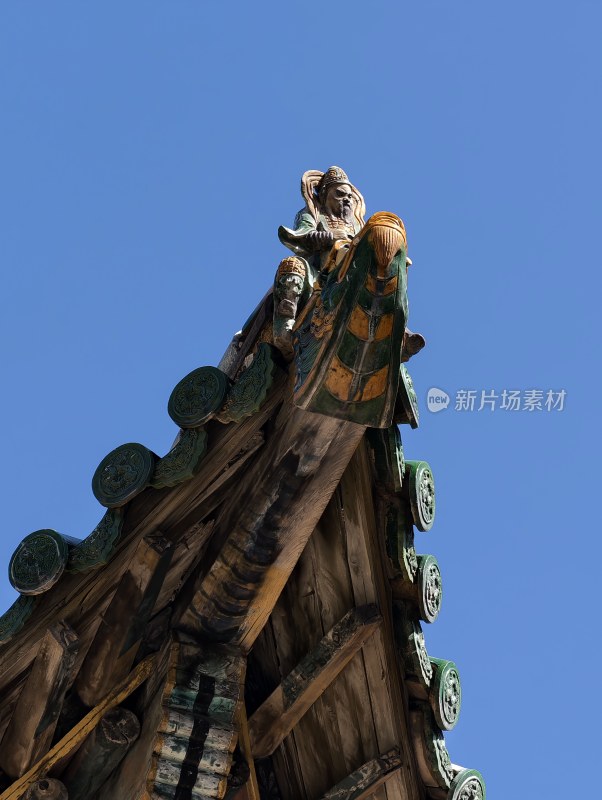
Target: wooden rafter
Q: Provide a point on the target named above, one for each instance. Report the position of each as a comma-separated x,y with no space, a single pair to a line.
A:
288,703
364,781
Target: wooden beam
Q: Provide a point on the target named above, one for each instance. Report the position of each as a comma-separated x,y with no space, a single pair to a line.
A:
101,753
252,788
47,789
120,632
365,780
279,714
362,714
267,523
69,743
31,728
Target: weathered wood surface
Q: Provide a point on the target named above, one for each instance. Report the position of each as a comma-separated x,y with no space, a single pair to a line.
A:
47,789
120,632
82,598
251,789
33,722
267,524
100,753
69,743
364,712
287,704
128,781
364,781
198,729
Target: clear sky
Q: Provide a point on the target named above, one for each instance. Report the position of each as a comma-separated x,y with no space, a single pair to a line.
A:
149,152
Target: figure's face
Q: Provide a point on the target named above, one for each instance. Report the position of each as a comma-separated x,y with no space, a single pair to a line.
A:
340,201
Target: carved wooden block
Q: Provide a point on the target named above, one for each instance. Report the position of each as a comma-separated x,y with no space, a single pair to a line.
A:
47,789
101,752
198,732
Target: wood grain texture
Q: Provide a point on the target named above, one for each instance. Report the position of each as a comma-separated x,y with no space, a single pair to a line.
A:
269,520
47,789
101,753
69,743
33,722
363,712
252,787
120,632
290,701
366,779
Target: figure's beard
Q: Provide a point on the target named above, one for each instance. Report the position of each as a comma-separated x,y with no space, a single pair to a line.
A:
344,211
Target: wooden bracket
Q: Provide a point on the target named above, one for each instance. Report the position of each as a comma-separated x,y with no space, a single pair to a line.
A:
283,709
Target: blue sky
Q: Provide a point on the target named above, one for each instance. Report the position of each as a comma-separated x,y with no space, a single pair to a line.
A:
149,152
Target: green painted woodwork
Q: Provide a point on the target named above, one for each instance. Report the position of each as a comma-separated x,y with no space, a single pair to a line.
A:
183,459
13,620
421,490
445,695
246,396
406,404
410,643
198,730
348,341
122,474
39,561
197,397
389,461
431,589
97,548
467,785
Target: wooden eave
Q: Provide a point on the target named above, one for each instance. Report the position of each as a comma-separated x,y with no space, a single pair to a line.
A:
360,722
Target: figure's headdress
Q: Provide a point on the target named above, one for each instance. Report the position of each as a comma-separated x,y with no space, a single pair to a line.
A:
314,183
332,177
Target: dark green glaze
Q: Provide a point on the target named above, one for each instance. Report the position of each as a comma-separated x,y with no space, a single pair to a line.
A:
421,491
467,785
251,388
431,590
183,460
351,350
409,640
197,397
406,404
13,620
122,474
324,337
97,548
433,745
445,695
39,561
